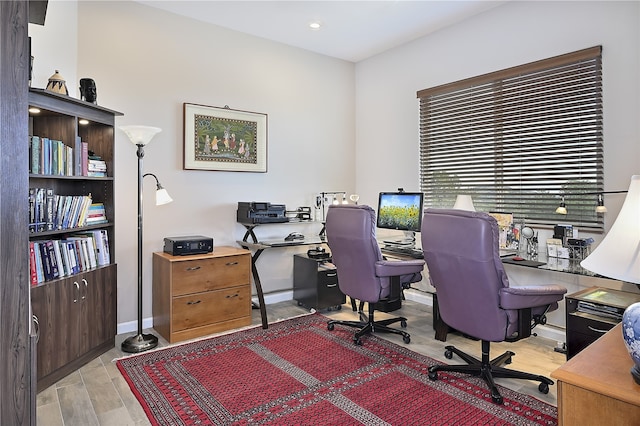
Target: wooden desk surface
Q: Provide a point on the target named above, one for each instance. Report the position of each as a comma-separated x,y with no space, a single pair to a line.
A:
603,367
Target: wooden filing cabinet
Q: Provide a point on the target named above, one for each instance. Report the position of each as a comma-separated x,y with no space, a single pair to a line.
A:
201,294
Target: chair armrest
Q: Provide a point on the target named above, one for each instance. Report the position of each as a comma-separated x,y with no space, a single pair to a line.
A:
391,268
530,296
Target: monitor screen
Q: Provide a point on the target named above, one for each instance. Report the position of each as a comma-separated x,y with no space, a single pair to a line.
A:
400,210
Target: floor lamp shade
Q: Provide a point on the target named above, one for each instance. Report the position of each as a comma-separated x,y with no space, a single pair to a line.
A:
140,135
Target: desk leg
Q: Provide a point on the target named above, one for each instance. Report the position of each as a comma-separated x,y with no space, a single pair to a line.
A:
258,284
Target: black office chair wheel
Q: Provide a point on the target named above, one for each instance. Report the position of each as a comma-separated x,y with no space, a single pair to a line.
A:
330,326
433,375
299,303
497,399
403,323
448,354
543,388
339,308
406,339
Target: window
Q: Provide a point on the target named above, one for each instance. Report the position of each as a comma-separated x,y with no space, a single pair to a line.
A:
518,140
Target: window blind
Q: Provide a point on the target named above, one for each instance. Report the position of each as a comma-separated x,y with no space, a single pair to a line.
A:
518,140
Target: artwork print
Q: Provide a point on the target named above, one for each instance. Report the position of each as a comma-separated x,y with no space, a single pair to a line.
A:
224,139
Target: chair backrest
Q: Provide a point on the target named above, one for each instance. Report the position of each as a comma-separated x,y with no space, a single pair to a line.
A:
351,236
461,250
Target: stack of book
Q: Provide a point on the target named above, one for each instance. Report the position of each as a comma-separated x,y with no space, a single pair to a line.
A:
52,259
96,214
96,166
49,211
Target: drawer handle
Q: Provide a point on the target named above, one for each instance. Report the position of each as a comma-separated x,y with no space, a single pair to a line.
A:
596,330
86,286
331,285
36,327
193,268
332,274
194,303
232,263
229,296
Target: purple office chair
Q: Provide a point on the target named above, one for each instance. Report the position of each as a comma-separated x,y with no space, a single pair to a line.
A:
462,254
363,274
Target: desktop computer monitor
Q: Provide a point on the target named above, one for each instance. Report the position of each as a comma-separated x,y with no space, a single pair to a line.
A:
400,210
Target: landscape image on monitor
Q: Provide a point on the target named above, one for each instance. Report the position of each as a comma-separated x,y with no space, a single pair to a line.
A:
400,211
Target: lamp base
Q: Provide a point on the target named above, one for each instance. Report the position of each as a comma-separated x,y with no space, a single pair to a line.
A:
139,343
635,372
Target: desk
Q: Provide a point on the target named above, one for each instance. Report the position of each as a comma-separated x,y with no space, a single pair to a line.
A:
596,388
257,247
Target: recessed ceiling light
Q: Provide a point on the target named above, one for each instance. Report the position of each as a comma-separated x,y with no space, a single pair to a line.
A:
34,110
315,25
83,121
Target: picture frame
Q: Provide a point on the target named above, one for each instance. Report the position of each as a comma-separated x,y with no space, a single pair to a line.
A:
224,139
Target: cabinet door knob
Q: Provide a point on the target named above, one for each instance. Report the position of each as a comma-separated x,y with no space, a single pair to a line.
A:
191,302
193,268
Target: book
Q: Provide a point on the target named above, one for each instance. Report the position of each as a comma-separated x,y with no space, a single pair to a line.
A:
35,154
58,256
96,214
84,158
50,208
33,274
39,266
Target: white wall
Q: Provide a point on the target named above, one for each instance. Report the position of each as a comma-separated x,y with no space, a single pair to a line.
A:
146,64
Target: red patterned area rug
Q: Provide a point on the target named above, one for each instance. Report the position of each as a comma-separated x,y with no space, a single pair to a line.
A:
298,373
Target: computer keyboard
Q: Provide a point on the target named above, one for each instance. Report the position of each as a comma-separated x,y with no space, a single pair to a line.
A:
404,251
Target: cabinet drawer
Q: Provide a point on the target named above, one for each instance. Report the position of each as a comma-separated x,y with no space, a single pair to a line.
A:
328,278
200,275
200,309
588,324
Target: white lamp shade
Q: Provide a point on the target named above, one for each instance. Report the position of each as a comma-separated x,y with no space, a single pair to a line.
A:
162,197
618,255
140,135
464,202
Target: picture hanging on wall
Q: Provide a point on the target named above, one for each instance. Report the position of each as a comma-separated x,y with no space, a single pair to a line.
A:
224,139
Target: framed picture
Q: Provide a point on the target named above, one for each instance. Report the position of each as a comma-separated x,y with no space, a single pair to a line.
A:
224,139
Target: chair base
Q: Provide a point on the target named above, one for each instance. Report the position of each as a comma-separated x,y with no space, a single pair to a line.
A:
367,325
488,369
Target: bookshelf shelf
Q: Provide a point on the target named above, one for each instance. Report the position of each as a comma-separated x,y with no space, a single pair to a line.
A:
74,293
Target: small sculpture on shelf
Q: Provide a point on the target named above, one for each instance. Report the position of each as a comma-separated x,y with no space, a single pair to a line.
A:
57,84
88,91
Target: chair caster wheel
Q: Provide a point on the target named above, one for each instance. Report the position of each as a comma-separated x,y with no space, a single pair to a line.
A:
544,388
403,324
406,339
448,354
339,307
497,399
433,375
330,327
357,342
299,303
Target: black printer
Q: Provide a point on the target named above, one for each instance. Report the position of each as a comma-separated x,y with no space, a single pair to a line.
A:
261,212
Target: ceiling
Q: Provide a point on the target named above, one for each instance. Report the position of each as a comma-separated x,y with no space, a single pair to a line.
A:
351,30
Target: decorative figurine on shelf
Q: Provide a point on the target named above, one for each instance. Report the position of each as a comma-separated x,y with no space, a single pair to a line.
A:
88,90
57,84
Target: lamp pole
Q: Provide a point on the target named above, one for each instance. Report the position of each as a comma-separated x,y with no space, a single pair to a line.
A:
140,342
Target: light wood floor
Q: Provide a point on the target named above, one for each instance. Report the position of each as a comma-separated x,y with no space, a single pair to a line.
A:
97,394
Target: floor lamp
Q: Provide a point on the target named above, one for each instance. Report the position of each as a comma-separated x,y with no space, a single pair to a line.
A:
140,136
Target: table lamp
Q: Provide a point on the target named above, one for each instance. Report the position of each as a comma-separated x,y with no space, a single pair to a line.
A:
618,257
464,202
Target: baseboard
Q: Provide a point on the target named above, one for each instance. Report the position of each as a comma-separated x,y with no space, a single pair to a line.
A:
556,334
